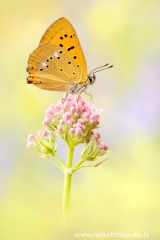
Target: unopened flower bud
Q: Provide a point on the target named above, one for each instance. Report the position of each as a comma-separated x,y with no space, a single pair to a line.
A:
93,148
43,144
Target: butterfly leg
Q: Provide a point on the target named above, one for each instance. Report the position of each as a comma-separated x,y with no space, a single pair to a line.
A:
83,89
65,97
89,93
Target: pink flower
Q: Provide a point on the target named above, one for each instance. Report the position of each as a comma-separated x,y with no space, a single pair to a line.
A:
74,122
77,125
102,144
81,121
67,116
69,123
59,127
72,130
30,140
81,117
83,127
73,109
62,121
78,132
97,135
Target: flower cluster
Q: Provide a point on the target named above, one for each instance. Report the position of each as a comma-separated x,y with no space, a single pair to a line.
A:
93,147
43,144
72,120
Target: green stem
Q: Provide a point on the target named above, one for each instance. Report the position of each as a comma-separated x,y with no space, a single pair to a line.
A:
67,184
59,161
53,163
79,163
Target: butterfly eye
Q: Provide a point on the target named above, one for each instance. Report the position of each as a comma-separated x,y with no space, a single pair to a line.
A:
91,80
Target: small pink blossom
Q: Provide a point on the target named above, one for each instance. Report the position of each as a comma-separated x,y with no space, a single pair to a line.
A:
45,133
72,120
44,123
97,135
75,114
72,130
91,132
73,109
102,144
59,127
77,125
52,107
69,123
67,116
62,121
81,121
30,140
78,132
83,127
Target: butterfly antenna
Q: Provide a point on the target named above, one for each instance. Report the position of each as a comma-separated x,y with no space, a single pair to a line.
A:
103,69
98,67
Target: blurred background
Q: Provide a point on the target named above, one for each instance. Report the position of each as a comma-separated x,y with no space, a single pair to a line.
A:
122,195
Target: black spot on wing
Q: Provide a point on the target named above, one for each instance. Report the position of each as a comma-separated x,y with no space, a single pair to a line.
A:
61,45
72,47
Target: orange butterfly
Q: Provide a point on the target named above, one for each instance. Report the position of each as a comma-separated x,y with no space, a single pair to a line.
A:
58,63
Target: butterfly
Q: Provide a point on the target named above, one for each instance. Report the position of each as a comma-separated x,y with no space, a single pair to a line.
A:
58,63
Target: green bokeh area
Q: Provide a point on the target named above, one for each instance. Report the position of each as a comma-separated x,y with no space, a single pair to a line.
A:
121,195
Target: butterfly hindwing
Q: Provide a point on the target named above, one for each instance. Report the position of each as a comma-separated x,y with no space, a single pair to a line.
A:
62,34
50,67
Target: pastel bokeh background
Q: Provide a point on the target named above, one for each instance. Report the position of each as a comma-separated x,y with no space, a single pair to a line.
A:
122,195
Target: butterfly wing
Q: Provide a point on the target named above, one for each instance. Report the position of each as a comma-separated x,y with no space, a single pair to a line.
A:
50,67
62,33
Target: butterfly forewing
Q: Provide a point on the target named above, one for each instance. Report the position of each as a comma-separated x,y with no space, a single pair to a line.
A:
50,67
62,34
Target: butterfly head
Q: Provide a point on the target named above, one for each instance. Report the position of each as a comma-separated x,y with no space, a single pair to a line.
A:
91,79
